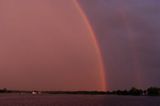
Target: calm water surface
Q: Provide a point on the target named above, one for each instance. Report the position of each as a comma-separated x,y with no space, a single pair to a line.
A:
76,100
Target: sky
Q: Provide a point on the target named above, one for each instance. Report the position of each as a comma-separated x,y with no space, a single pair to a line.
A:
128,34
49,44
46,45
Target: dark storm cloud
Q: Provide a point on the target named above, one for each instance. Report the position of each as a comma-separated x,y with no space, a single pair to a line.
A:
129,35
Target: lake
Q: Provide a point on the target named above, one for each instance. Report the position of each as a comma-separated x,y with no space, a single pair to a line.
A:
76,100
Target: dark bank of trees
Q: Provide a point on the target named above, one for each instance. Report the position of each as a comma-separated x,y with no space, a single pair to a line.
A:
76,92
152,91
133,91
4,90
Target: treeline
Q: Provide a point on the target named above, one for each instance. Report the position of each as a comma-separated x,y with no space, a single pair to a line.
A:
5,90
76,92
152,91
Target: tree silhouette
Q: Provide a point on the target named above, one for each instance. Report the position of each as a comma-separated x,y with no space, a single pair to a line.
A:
153,91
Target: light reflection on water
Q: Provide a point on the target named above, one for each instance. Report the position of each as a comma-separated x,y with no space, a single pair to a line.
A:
76,100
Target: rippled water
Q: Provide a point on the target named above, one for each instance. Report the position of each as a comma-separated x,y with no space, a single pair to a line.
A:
76,100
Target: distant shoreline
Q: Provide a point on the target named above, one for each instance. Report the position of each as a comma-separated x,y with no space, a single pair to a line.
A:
152,91
54,92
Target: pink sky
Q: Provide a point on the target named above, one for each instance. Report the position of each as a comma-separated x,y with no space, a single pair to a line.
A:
45,45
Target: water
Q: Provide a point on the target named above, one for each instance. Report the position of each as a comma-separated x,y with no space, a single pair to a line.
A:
76,100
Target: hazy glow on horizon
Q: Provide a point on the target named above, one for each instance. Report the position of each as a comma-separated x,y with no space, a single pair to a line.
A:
46,45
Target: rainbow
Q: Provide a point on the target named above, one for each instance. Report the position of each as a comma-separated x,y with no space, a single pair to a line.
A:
95,42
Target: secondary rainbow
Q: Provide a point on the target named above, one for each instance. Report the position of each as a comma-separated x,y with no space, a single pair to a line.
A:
93,37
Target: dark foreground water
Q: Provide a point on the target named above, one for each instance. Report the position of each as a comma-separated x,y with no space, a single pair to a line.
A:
76,100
